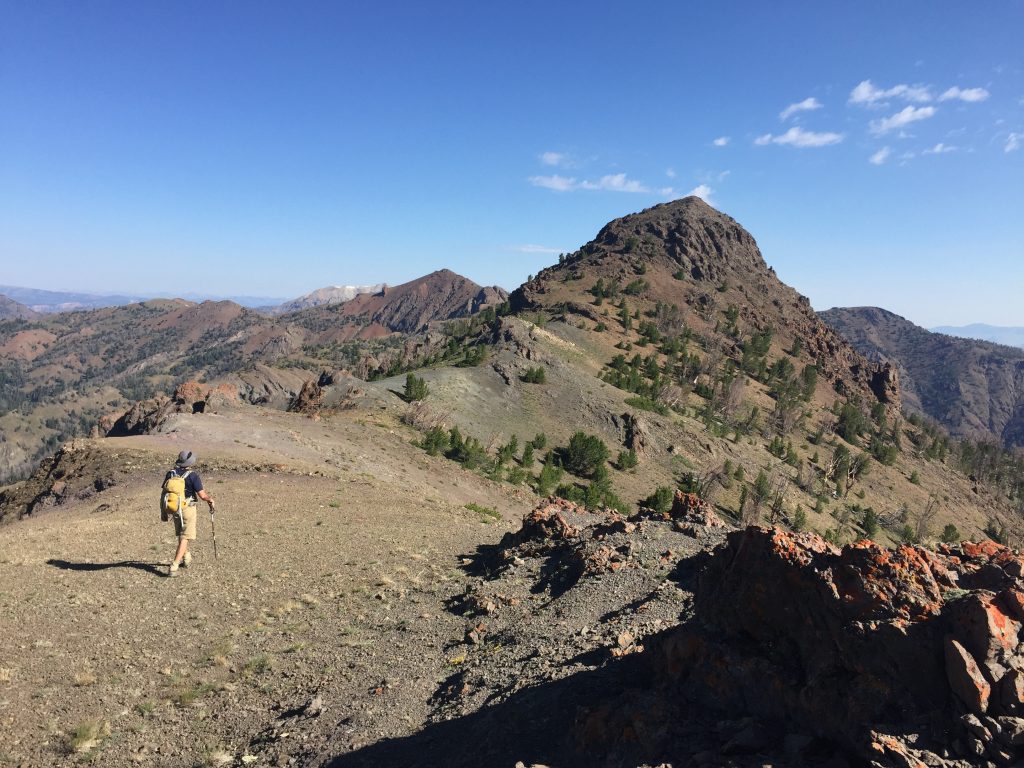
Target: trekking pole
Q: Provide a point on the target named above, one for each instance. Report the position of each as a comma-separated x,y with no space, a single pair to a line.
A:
213,528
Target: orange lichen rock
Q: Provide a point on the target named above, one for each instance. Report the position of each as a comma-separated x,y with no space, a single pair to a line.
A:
862,644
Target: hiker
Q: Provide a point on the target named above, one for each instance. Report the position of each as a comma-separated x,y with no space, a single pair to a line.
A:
183,509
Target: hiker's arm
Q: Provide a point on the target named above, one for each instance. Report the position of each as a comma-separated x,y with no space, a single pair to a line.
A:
205,497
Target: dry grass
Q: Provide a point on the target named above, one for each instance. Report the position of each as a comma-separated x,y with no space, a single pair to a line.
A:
5,675
84,678
87,736
285,608
257,665
145,707
218,757
186,697
219,653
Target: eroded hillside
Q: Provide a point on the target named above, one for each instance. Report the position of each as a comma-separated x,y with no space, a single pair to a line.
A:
972,388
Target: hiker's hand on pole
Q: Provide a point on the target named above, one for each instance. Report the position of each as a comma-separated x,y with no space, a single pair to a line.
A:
210,502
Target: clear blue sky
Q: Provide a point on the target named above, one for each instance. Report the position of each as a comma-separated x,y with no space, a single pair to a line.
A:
874,149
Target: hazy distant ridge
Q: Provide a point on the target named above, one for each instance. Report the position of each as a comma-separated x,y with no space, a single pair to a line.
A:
331,294
1010,336
48,302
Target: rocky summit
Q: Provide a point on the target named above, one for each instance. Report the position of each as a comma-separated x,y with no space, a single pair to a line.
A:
686,251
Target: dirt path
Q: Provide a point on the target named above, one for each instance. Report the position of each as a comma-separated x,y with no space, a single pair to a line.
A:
324,587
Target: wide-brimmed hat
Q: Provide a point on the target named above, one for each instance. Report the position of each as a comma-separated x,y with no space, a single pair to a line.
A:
185,459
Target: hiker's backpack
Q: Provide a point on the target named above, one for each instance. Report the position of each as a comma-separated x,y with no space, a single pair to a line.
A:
172,500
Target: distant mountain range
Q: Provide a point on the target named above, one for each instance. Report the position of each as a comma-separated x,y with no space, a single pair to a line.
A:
48,302
997,334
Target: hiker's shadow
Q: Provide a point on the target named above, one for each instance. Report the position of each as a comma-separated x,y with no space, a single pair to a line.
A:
67,565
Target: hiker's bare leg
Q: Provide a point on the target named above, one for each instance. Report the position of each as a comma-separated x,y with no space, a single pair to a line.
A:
182,549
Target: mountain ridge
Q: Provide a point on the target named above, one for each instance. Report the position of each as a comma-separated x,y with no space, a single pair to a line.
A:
137,350
14,310
973,388
999,334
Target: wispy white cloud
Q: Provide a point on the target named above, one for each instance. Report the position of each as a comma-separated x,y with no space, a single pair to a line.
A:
904,117
965,94
703,191
553,158
670,172
555,182
880,156
806,105
939,149
615,182
1013,142
531,248
721,141
798,137
868,95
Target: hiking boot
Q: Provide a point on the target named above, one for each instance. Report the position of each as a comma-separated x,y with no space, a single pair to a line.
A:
172,569
187,561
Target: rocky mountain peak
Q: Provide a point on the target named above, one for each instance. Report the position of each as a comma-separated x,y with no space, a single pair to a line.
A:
701,240
688,255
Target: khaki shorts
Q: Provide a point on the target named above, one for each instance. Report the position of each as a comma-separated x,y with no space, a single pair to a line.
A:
185,524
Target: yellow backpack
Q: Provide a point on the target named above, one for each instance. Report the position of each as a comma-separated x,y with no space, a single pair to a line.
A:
172,500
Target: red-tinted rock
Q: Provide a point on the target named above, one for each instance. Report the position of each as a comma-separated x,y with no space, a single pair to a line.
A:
982,625
548,521
841,642
691,508
965,678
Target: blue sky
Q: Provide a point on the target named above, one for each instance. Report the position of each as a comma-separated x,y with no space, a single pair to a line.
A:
874,149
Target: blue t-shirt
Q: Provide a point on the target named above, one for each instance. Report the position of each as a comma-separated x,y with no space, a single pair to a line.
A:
193,483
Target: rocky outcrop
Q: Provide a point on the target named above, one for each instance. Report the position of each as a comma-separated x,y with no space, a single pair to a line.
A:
146,416
76,472
899,656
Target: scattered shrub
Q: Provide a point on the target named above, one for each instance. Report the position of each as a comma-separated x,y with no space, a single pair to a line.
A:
486,514
950,534
435,441
584,455
415,388
660,500
645,403
627,459
870,522
534,375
